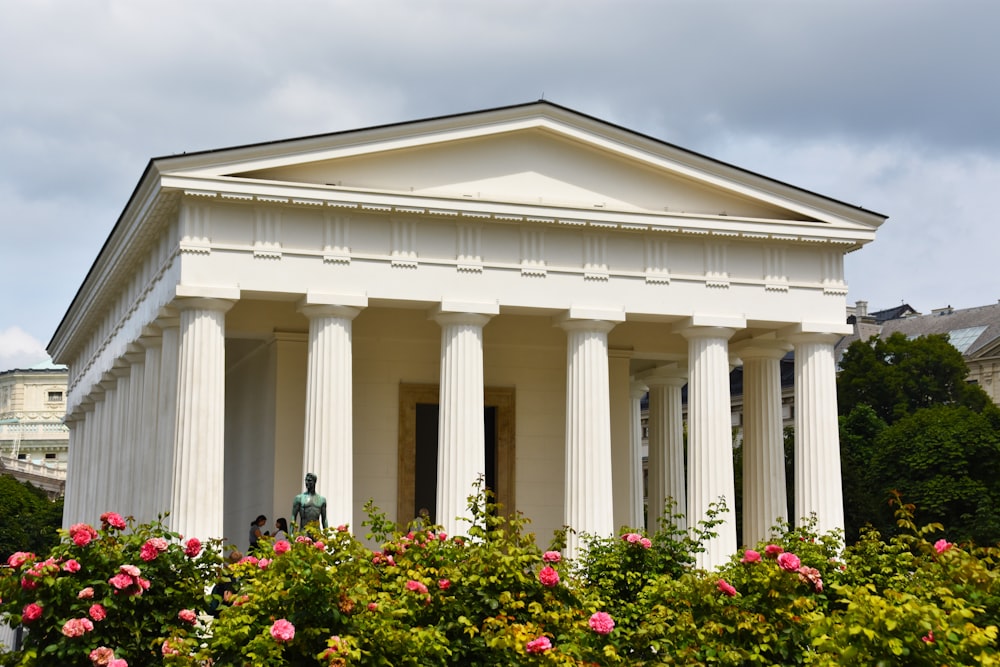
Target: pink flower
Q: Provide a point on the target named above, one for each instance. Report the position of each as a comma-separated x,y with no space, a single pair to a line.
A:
82,534
72,566
750,556
118,662
632,538
252,560
148,552
726,588
31,612
539,645
170,647
416,586
85,593
811,575
130,570
263,563
77,627
342,528
113,519
444,584
192,547
282,630
19,558
372,606
645,542
928,638
282,546
789,561
320,546
772,550
551,556
303,538
548,576
601,623
28,584
102,655
187,615
442,536
97,612
121,581
942,545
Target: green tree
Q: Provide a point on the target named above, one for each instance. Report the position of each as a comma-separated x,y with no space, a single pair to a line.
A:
897,376
28,519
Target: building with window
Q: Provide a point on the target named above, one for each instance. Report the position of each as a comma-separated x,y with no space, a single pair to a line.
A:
33,439
408,308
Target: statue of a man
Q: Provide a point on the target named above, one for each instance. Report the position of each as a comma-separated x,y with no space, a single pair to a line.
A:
309,507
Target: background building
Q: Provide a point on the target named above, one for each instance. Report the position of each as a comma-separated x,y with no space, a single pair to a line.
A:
33,438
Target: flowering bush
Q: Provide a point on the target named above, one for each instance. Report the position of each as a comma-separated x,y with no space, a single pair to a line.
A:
106,595
493,597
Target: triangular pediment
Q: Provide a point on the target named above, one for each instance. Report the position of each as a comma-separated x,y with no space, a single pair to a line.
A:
533,155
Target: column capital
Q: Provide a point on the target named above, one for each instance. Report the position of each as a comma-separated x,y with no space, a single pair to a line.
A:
203,303
813,337
314,310
692,332
167,318
451,318
668,375
757,348
599,326
637,389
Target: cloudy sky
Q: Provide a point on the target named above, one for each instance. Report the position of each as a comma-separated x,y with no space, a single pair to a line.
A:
889,105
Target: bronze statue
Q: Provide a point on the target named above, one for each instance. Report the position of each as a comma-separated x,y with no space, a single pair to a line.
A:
309,507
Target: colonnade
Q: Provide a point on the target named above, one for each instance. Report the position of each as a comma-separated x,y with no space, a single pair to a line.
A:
157,417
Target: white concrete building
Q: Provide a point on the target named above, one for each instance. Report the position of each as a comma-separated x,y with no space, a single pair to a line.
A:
34,442
403,308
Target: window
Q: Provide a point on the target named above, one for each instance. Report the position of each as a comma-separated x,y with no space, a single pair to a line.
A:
962,339
55,397
50,456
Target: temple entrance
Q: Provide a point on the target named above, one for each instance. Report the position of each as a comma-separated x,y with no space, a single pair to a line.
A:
418,442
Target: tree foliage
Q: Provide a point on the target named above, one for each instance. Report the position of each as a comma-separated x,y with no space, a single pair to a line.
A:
28,519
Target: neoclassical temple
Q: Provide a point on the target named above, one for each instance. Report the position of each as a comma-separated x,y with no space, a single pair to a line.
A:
407,308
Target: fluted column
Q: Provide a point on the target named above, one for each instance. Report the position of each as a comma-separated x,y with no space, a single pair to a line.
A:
85,463
102,498
166,400
588,484
117,499
461,427
132,465
146,435
329,431
199,451
818,485
637,390
77,423
764,497
710,439
667,478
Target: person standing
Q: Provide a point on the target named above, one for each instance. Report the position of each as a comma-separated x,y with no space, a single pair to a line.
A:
256,526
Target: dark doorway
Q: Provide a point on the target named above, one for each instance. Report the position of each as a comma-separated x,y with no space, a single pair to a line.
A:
426,456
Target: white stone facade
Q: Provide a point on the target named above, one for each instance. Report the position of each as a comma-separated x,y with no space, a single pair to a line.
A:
293,298
34,442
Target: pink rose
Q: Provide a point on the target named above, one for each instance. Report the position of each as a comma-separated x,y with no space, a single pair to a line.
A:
750,556
31,612
28,584
548,576
188,616
148,552
442,537
72,566
539,645
320,546
601,623
632,538
251,560
416,586
82,534
645,542
372,606
789,561
77,627
303,538
192,547
263,563
130,570
102,655
811,575
97,612
551,557
444,584
85,593
282,630
928,638
19,558
942,545
726,588
342,528
772,550
118,662
121,581
170,647
281,546
113,519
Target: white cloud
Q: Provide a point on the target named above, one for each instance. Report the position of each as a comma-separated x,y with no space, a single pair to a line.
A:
19,349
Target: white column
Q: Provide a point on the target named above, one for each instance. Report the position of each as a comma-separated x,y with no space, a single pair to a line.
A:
199,451
329,431
636,515
132,464
818,486
147,440
667,477
117,499
710,439
461,437
102,499
166,422
77,423
621,436
84,468
588,485
764,498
